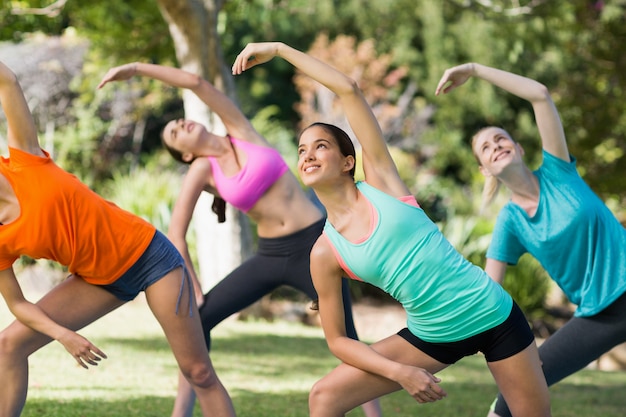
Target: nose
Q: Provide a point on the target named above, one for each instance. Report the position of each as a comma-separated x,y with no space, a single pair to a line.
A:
306,154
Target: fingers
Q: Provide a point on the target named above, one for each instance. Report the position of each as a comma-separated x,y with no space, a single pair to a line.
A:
123,72
442,82
449,77
109,76
254,54
90,357
103,82
243,62
431,393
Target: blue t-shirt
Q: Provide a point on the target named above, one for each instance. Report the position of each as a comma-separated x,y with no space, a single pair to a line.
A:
574,236
446,297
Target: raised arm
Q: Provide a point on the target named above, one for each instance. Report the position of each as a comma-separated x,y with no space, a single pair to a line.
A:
234,120
546,113
22,133
380,170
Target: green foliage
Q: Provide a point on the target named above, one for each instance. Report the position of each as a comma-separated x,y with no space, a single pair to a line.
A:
76,145
149,191
528,284
18,23
275,131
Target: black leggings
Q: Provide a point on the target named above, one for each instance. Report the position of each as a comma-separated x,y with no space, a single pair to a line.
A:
278,261
578,343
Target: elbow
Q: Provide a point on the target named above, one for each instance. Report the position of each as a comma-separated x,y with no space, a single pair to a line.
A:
335,346
541,93
348,87
9,79
196,82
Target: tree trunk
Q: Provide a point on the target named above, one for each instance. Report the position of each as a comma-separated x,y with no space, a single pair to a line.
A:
193,27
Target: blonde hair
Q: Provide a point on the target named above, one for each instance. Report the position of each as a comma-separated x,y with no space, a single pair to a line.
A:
492,184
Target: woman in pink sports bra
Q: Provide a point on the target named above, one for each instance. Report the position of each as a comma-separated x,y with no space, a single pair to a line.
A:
234,168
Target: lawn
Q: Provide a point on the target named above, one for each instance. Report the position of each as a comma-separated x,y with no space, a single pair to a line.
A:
268,369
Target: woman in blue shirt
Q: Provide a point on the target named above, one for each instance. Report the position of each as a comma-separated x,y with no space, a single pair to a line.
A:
553,215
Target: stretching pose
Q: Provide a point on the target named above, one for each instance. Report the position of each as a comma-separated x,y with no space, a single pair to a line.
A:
377,233
111,254
244,170
550,206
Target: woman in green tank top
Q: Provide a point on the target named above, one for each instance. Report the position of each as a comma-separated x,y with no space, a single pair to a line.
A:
404,360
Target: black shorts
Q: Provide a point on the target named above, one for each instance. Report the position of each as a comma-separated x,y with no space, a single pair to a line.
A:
503,341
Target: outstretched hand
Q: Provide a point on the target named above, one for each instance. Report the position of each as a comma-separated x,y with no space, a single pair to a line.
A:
83,351
454,77
123,72
254,54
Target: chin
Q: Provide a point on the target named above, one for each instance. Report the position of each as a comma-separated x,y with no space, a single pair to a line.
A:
308,180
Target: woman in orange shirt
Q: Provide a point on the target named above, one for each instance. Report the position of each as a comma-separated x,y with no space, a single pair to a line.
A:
111,255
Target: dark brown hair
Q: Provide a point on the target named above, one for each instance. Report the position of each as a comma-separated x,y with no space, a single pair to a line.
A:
346,146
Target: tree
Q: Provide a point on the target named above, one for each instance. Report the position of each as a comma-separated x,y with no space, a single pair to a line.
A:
193,27
140,26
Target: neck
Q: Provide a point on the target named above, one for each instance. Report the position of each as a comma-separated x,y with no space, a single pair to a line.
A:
216,145
337,198
522,183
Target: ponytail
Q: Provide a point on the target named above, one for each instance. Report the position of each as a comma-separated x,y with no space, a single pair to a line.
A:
492,184
490,190
219,208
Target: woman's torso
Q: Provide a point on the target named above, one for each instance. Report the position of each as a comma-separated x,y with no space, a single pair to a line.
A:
61,219
572,234
446,297
255,179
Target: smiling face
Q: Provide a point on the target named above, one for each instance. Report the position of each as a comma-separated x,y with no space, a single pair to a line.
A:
495,150
183,136
320,156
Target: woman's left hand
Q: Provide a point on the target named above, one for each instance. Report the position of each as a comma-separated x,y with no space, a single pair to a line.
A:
123,72
422,385
454,77
254,54
84,352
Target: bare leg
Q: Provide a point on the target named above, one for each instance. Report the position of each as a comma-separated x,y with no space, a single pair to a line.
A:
521,382
185,398
347,387
73,304
372,408
184,334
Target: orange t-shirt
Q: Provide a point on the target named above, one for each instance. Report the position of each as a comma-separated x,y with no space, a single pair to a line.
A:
61,219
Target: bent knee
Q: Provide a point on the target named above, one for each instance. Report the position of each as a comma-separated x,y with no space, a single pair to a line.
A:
17,340
201,375
321,397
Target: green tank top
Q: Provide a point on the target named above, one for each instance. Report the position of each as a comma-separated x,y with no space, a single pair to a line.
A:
446,297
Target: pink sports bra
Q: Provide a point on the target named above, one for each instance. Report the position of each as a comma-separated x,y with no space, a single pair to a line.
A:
263,168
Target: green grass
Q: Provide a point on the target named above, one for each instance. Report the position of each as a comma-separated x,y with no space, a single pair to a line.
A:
268,369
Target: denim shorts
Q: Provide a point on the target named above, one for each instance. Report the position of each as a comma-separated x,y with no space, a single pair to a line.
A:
159,258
